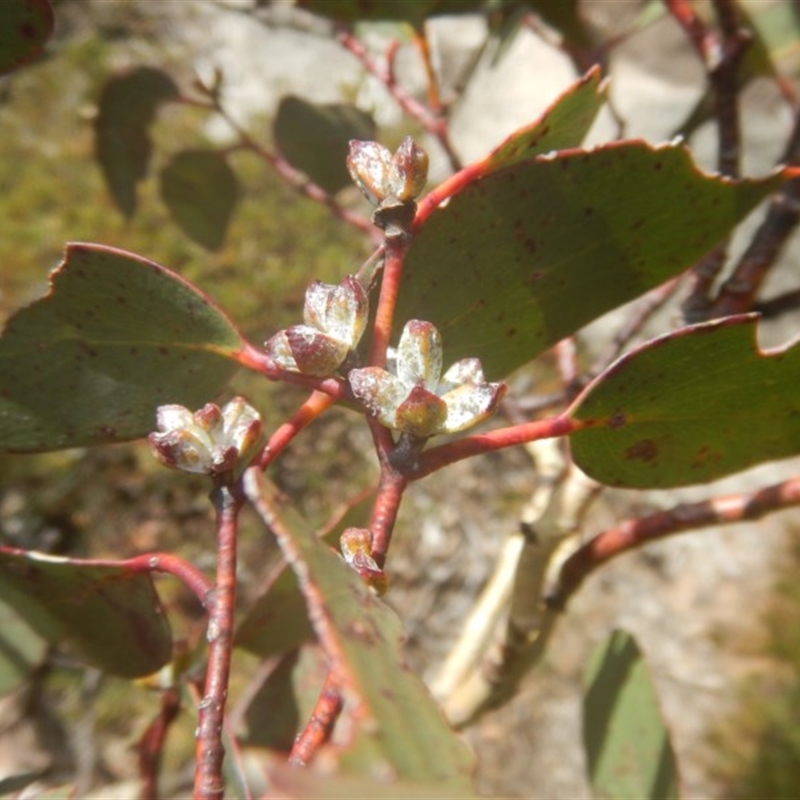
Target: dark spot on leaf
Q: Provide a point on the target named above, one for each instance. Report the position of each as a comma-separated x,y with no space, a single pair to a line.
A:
511,332
644,450
163,350
535,276
588,211
617,419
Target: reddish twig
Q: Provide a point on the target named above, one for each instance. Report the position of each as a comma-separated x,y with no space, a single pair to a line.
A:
737,294
685,516
208,782
319,727
315,404
150,746
429,118
294,178
384,511
721,54
438,457
394,253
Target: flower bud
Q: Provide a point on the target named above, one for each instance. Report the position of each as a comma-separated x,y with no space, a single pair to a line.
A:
340,310
369,165
306,350
356,544
210,441
409,171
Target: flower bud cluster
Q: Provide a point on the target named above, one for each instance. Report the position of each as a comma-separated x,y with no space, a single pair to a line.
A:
210,441
335,317
415,398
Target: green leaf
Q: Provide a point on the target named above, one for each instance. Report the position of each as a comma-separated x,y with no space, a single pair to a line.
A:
115,337
315,138
127,107
285,700
278,621
400,730
200,190
531,253
25,26
21,649
564,124
110,615
628,750
689,407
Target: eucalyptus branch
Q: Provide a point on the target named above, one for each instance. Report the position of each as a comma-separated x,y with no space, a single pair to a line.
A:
724,510
430,118
208,781
320,726
721,54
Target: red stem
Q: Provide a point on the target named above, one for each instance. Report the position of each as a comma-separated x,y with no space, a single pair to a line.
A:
686,516
384,511
437,457
150,746
315,404
395,250
319,727
208,782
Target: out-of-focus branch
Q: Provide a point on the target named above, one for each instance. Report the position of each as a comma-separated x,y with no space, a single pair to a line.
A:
510,626
683,517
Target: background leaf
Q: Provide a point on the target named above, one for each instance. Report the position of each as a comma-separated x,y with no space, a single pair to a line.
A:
400,728
315,138
25,26
123,148
531,253
21,649
115,337
689,407
110,615
627,745
200,190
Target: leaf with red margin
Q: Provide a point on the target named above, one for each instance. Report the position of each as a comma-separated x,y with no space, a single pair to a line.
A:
127,107
110,615
115,337
531,253
399,729
25,26
689,407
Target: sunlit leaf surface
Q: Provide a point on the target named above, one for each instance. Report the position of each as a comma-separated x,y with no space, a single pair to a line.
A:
689,407
531,253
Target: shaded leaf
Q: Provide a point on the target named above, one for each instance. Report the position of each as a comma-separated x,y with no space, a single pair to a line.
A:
689,407
564,124
400,727
628,749
25,26
530,254
123,148
21,649
16,783
115,337
315,138
200,190
278,621
110,615
285,700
